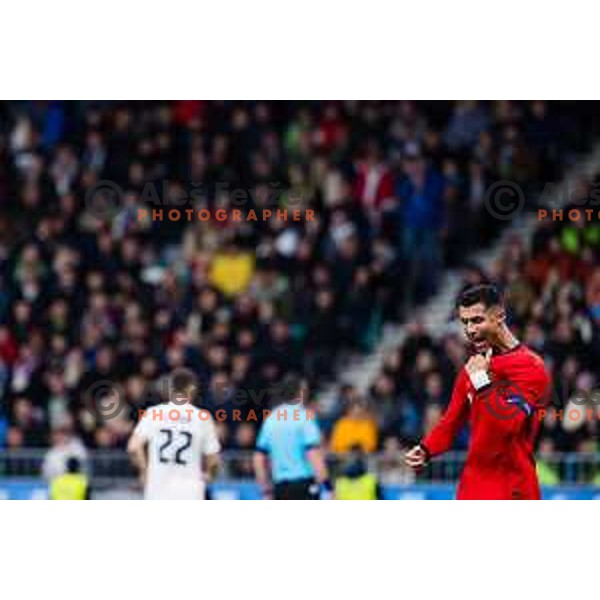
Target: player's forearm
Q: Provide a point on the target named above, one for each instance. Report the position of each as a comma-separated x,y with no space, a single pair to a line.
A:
137,454
439,440
441,437
212,466
140,462
138,459
317,460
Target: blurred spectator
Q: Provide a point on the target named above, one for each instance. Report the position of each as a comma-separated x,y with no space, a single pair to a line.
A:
356,482
65,446
356,429
231,270
547,473
393,466
421,193
72,484
468,121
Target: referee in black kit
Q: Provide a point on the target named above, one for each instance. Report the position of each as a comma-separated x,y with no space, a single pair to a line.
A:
288,461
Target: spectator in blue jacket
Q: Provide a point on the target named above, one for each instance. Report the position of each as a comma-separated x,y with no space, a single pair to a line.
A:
421,193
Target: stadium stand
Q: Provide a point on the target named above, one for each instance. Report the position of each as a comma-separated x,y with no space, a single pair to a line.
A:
93,292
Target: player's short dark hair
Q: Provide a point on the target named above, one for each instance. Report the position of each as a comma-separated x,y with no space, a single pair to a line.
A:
485,293
182,379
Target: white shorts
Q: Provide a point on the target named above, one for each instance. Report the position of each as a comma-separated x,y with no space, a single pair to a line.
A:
176,491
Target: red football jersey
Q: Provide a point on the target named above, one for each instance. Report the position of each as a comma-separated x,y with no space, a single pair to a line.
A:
504,421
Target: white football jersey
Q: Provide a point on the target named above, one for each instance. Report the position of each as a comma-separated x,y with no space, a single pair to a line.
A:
177,437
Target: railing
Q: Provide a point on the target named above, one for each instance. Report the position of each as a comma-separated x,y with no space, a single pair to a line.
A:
106,466
582,468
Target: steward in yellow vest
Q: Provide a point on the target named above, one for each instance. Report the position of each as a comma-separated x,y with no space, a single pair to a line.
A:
357,483
72,485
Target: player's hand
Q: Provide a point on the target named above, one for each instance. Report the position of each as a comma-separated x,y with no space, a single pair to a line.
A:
477,368
417,457
477,362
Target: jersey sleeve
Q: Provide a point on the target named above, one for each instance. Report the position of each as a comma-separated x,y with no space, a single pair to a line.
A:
441,437
263,443
537,390
211,443
312,435
523,396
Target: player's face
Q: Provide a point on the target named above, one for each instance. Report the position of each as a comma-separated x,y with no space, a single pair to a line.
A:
481,325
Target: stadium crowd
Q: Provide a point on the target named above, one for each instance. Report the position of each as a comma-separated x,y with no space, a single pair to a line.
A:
91,293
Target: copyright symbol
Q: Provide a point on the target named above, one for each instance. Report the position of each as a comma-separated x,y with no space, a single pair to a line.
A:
504,200
108,398
504,400
104,199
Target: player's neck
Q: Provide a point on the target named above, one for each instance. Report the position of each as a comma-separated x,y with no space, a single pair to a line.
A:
506,341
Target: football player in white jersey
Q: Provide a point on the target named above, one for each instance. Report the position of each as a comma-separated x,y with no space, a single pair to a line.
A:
175,445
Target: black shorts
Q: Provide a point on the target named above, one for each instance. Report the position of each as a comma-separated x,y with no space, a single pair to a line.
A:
300,489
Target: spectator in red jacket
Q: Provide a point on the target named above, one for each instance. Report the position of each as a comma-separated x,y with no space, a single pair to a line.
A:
374,180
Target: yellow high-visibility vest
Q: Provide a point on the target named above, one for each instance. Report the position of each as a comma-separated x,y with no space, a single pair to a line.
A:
359,488
70,486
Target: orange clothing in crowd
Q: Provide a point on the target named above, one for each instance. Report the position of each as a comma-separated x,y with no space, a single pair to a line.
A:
349,432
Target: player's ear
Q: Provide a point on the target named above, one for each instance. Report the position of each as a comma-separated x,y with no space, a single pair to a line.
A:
500,314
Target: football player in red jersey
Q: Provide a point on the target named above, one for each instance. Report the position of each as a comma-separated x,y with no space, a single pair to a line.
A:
499,392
